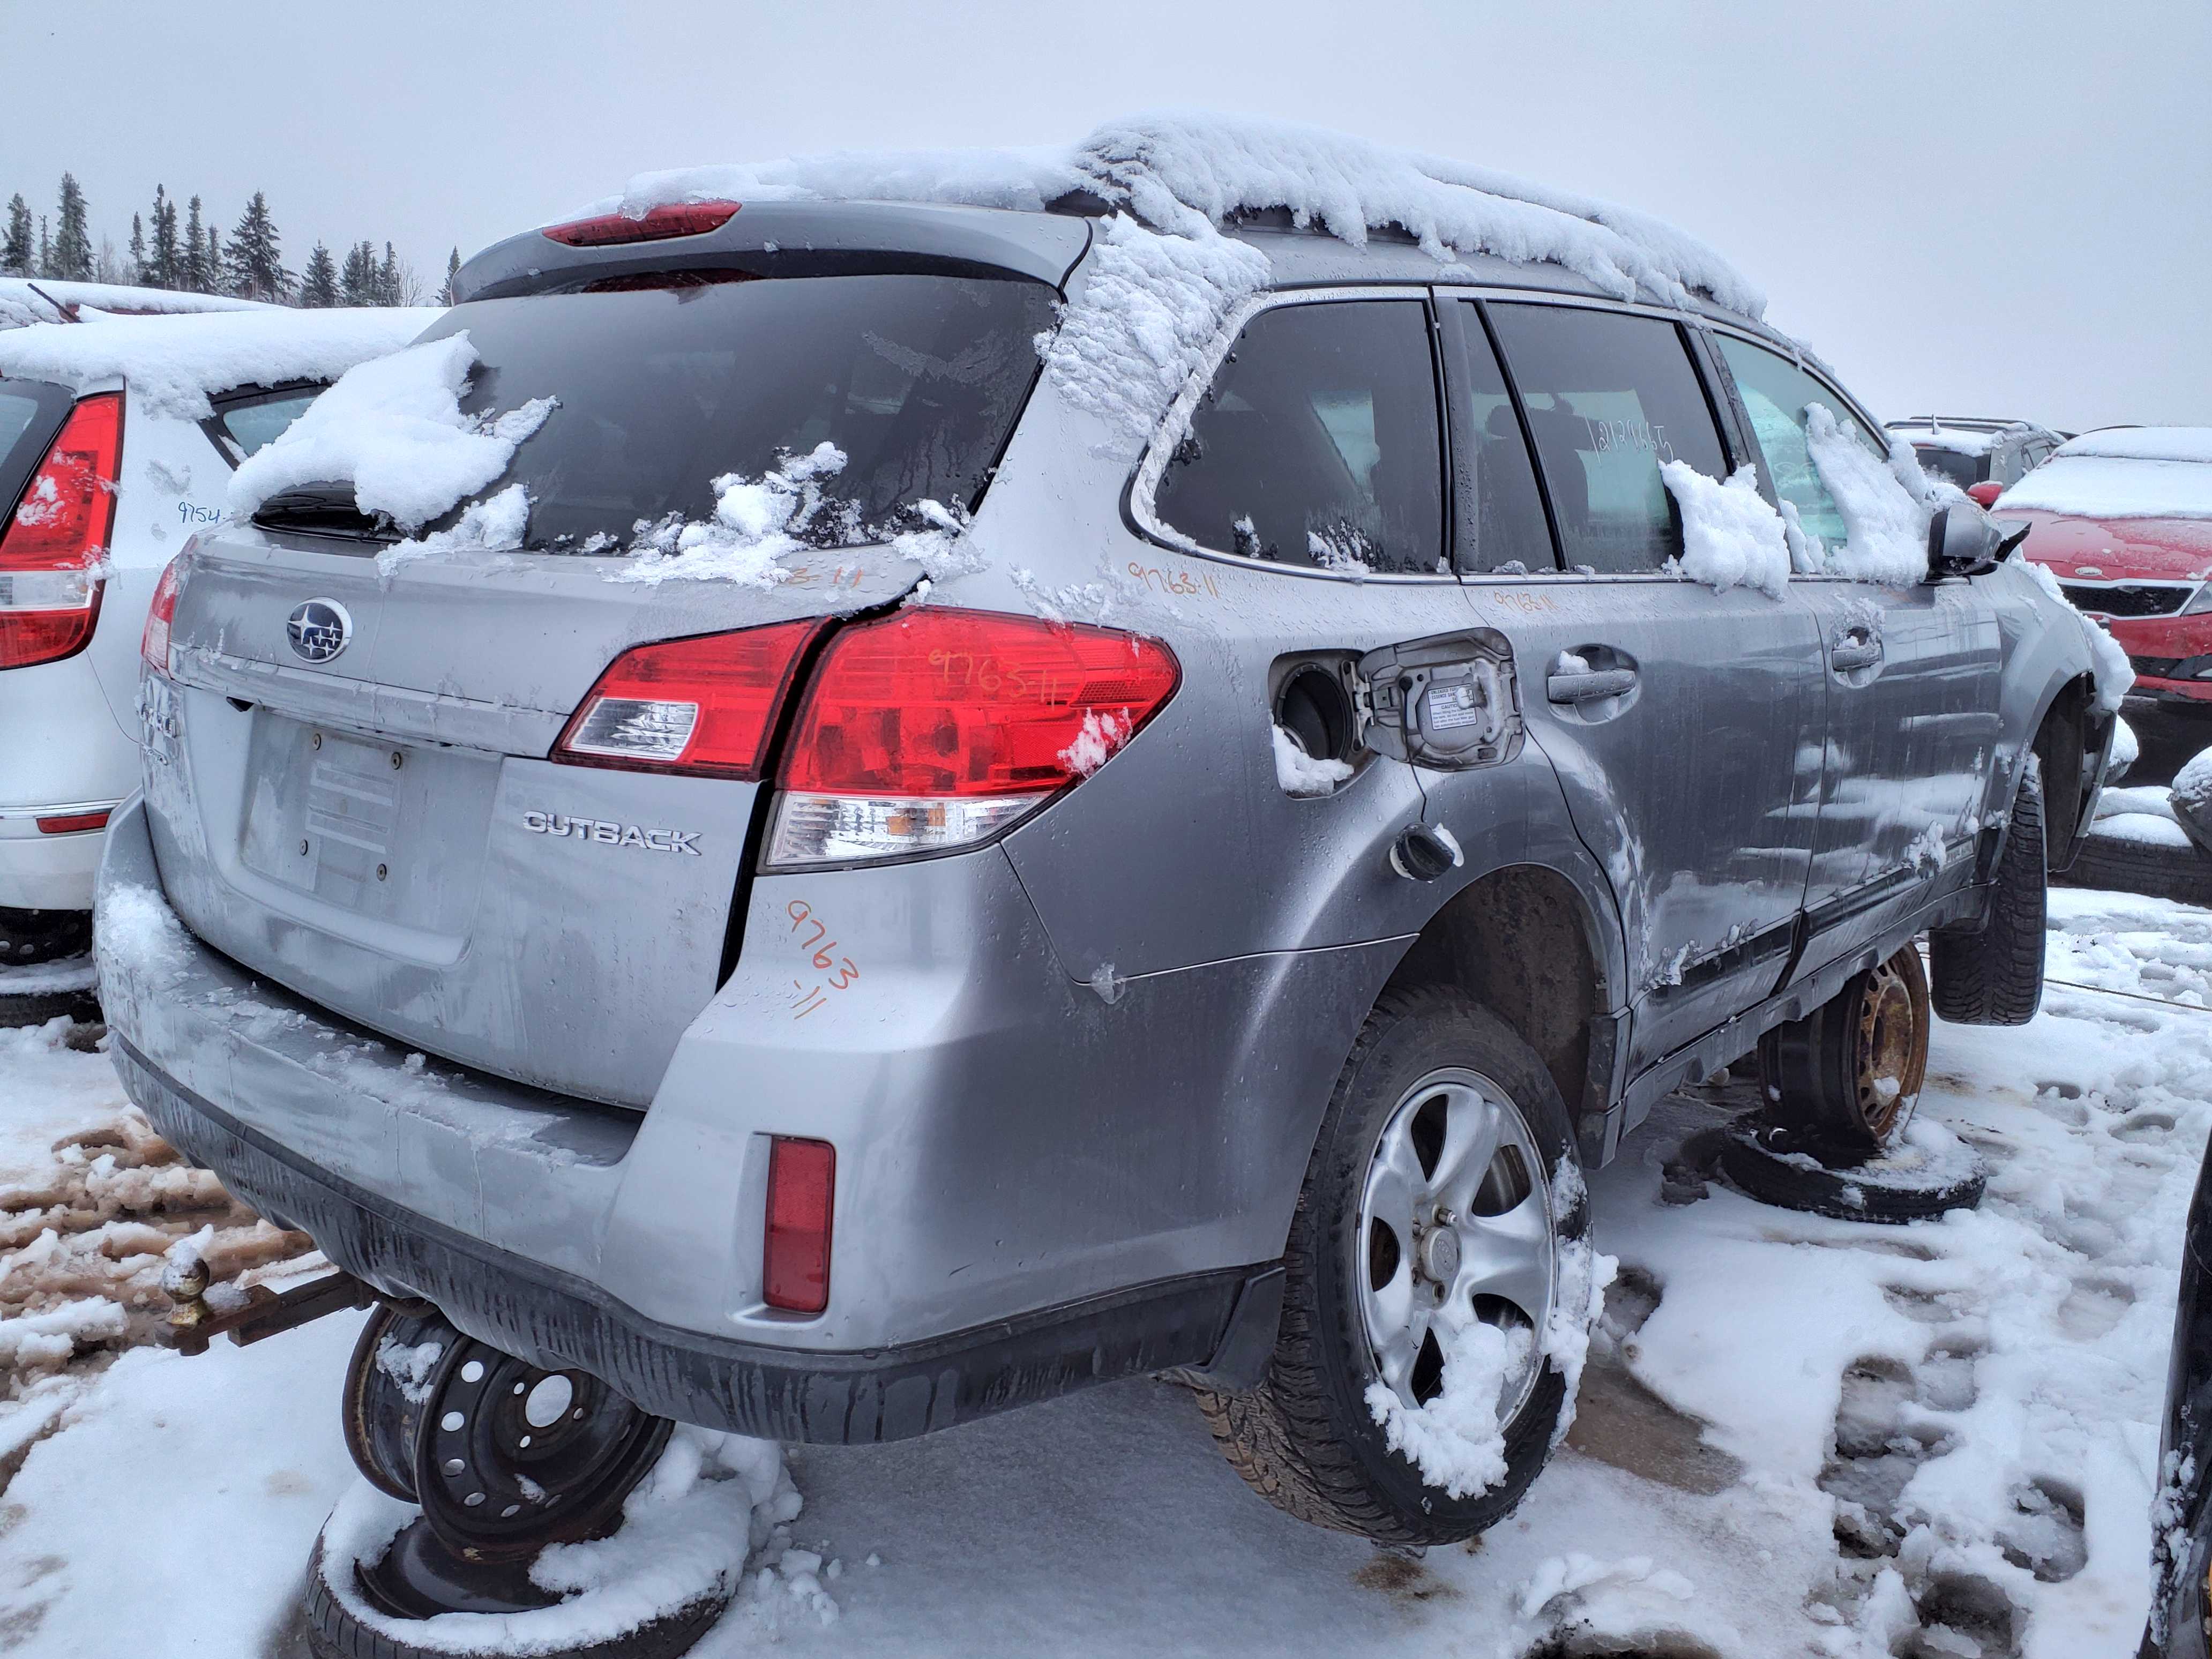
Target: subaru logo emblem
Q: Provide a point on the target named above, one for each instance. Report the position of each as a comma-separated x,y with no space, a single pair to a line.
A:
319,630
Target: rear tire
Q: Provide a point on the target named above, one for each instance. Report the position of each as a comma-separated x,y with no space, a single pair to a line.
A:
1305,1438
29,936
1846,1077
1993,976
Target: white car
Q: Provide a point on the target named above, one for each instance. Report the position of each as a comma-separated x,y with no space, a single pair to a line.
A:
117,435
27,299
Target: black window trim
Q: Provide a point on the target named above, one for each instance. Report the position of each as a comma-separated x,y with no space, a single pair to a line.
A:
1137,512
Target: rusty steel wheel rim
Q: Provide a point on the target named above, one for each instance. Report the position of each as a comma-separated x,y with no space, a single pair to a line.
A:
1889,1046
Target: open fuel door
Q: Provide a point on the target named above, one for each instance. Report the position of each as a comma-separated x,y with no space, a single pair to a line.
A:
1451,702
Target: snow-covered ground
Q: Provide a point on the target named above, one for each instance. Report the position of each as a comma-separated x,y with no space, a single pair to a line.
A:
1796,1435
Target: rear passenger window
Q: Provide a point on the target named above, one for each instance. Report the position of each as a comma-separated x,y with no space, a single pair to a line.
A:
1509,521
1317,443
1609,398
243,425
1775,393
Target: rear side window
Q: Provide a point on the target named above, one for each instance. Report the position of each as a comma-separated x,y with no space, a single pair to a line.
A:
242,425
1936,463
1317,443
1610,398
31,413
916,379
1509,513
1775,393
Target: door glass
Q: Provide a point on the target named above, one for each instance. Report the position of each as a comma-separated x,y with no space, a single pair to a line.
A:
1775,394
1317,443
1610,398
1509,513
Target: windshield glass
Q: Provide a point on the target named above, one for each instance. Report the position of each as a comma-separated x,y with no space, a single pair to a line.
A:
1960,470
661,389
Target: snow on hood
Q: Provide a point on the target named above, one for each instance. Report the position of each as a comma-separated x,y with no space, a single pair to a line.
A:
175,363
392,428
2144,443
1187,173
2083,484
25,301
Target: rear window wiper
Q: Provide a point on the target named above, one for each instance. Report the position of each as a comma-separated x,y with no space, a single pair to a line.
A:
323,509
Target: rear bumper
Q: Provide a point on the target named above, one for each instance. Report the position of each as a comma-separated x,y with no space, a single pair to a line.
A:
1020,1211
554,1319
38,872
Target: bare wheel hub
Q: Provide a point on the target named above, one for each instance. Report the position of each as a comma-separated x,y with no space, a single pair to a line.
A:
1889,1050
1455,1226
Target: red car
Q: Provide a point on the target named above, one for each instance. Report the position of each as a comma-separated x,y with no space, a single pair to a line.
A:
2124,518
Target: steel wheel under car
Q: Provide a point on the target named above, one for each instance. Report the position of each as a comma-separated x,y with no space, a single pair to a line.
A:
1455,1225
1846,1077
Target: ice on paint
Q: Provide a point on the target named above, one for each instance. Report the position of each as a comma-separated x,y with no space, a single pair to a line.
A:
1301,774
393,430
1731,536
173,364
1577,1294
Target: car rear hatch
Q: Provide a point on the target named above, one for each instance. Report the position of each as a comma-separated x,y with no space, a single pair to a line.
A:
387,830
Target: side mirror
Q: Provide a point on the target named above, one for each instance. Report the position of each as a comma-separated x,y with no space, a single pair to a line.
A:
1966,543
1985,493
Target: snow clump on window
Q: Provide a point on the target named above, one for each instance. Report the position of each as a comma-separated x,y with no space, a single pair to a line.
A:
392,428
1886,524
756,522
1731,536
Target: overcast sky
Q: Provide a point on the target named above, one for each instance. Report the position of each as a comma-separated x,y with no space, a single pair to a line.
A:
2000,208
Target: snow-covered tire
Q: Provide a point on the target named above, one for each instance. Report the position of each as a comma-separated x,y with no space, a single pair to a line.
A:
1993,974
334,1633
1846,1077
2138,867
1306,1438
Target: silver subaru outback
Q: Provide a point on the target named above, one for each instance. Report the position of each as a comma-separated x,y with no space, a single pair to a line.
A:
1048,907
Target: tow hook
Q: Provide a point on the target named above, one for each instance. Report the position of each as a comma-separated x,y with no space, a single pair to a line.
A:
193,1324
1424,852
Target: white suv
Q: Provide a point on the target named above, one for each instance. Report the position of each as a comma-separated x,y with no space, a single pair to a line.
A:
117,435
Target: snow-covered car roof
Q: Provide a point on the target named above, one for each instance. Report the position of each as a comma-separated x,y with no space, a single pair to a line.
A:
1191,175
2144,443
176,363
25,301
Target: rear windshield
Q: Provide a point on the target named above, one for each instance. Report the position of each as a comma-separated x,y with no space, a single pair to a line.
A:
918,379
1960,470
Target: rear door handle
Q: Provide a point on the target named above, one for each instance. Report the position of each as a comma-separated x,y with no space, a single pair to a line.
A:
1588,684
1855,647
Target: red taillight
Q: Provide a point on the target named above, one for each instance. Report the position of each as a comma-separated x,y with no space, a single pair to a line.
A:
802,1176
702,706
655,225
937,728
71,823
50,551
154,643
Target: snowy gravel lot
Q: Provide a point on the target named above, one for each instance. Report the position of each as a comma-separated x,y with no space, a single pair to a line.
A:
1796,1435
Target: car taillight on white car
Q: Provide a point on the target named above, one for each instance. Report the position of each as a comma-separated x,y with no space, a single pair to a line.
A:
922,731
54,549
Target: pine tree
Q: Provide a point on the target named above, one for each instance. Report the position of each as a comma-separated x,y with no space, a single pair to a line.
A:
388,278
165,267
73,235
319,281
137,250
453,271
198,274
253,261
18,251
357,283
45,249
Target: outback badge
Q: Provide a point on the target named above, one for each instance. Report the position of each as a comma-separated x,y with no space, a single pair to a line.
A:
613,834
318,629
